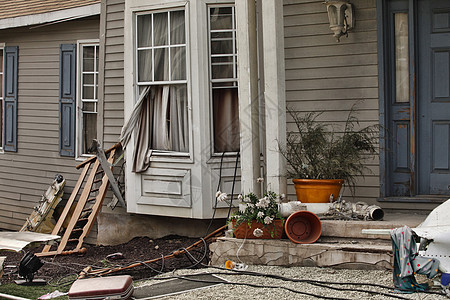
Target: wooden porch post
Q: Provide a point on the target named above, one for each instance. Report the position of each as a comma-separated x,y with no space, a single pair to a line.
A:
274,93
248,94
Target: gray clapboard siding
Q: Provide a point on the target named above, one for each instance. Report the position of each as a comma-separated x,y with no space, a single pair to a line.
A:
357,94
26,175
113,71
322,75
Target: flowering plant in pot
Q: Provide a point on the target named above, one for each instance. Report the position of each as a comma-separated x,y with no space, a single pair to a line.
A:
328,152
258,217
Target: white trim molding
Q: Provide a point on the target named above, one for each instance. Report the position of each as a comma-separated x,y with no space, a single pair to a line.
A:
54,16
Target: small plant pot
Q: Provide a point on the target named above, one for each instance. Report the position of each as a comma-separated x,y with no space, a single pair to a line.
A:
244,231
317,190
303,227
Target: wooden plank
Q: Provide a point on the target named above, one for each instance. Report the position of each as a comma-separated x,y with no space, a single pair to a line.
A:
98,203
112,148
78,209
70,201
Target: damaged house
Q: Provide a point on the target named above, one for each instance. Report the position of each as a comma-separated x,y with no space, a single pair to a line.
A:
212,80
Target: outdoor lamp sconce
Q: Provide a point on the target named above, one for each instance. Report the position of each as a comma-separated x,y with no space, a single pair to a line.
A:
340,15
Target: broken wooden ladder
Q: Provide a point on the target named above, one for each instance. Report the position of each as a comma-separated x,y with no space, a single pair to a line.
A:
86,206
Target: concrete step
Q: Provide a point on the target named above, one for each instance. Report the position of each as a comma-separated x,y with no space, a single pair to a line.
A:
285,253
353,229
342,244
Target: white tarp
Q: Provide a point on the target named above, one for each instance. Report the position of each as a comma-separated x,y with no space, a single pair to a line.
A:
16,241
436,228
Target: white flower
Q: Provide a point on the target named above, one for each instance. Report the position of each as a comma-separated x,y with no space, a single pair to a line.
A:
218,194
222,197
260,179
242,207
268,220
263,202
240,197
260,214
247,199
258,232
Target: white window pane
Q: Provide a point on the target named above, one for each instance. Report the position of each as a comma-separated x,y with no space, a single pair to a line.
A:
88,59
88,92
96,58
170,127
89,130
89,106
144,30
145,65
222,71
177,31
1,123
221,18
178,63
226,119
401,58
88,78
221,35
222,47
161,64
160,21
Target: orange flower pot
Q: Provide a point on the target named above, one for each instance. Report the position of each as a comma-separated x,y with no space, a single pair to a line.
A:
317,190
244,231
303,227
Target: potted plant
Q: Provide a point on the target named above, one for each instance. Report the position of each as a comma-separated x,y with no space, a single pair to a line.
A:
321,157
258,217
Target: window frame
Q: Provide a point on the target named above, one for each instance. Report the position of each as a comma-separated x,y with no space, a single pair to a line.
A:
211,81
166,155
2,120
79,155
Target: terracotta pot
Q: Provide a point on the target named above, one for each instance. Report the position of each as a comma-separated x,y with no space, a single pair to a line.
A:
303,227
244,231
317,190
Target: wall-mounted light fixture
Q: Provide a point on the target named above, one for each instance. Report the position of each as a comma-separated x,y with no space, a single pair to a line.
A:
340,15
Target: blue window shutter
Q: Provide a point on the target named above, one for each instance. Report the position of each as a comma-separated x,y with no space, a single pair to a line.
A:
67,105
10,98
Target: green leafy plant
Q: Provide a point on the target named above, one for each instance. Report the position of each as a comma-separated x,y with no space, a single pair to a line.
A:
326,151
263,210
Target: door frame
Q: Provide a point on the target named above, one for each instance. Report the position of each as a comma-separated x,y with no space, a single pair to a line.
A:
384,32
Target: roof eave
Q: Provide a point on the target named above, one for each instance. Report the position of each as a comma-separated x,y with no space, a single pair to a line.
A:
60,15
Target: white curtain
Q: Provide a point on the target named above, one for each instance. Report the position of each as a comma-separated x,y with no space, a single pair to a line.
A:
161,113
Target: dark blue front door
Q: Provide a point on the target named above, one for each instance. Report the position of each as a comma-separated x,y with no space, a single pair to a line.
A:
434,97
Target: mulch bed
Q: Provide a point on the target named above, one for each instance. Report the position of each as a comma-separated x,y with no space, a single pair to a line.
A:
138,249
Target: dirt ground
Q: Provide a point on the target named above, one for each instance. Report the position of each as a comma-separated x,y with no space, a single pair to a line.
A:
139,249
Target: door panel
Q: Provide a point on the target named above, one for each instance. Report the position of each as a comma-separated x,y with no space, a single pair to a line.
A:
399,141
434,97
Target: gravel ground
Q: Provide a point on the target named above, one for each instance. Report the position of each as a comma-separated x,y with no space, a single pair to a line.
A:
323,274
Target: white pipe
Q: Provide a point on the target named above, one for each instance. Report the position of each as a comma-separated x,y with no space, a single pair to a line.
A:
12,297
